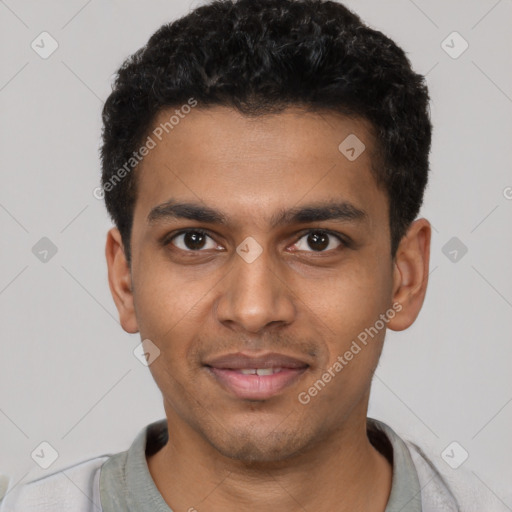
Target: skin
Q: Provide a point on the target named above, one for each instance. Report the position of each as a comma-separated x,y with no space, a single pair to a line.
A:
293,299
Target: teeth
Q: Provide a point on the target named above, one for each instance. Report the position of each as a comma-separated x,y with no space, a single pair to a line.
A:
265,371
259,371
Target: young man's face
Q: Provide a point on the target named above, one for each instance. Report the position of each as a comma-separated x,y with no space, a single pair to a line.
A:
304,299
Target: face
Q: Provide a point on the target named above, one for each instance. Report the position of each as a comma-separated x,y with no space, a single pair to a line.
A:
258,245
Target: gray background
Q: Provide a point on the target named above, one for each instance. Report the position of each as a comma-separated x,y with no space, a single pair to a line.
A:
67,372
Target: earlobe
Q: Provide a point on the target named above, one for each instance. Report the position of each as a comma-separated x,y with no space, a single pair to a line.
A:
410,274
120,280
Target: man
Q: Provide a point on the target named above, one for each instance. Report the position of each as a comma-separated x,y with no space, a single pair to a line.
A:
264,162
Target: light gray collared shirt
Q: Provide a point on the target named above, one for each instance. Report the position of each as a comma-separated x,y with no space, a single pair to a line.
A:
126,484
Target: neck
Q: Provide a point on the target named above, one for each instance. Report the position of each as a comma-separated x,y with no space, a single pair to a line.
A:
343,472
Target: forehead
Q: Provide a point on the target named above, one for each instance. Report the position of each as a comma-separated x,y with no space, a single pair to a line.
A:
254,165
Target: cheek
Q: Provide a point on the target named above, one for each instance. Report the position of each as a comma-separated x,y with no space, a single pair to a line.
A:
354,337
166,301
350,300
349,307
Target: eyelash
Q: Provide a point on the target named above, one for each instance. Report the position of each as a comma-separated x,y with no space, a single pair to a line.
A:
343,241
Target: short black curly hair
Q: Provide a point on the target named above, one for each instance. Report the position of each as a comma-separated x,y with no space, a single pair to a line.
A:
260,57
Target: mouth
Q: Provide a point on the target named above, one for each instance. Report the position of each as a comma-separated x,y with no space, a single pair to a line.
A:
256,378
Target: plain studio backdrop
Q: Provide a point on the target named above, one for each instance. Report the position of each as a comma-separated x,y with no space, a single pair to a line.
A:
68,375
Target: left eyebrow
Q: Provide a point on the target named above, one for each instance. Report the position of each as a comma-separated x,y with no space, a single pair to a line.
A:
340,211
335,211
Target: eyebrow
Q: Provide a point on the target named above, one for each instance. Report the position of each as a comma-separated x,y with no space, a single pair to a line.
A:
334,211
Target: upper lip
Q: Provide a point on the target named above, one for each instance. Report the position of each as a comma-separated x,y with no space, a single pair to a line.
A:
239,360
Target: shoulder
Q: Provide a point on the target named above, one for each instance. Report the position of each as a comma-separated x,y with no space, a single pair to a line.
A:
73,488
444,488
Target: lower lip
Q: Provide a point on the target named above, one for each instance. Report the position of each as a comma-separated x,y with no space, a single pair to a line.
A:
256,387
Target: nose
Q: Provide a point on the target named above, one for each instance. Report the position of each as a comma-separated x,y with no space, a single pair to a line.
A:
255,296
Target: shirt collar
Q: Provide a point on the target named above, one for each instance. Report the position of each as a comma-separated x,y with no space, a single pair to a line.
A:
126,483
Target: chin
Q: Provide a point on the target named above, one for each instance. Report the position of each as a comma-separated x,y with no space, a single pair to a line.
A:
260,447
252,453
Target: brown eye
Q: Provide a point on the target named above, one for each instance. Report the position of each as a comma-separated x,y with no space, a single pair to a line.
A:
319,241
192,240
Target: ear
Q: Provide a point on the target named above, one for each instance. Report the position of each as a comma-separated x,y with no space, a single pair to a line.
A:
410,274
120,281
